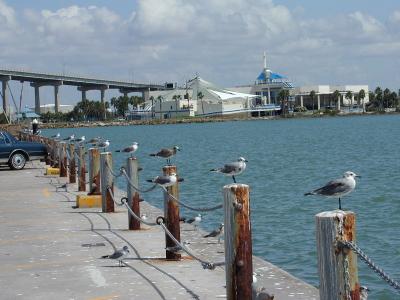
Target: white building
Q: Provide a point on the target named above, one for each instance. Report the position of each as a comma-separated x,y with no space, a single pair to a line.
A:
64,108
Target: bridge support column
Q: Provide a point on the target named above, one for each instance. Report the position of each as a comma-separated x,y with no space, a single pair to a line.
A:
4,94
102,95
83,95
37,100
125,94
146,95
301,101
319,101
56,99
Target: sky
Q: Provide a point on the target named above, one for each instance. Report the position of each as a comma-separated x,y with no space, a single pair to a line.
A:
311,42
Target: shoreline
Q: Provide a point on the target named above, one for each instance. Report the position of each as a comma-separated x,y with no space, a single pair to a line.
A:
203,120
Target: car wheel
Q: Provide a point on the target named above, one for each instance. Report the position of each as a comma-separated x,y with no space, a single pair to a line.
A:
17,161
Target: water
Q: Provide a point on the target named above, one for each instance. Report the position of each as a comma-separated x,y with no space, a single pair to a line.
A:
286,159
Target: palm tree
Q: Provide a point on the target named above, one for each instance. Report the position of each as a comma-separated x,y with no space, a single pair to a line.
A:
312,96
283,96
160,99
386,97
336,97
201,96
176,98
361,96
152,106
379,98
348,96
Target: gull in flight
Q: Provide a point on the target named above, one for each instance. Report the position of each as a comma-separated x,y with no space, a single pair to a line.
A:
131,149
217,232
119,255
232,169
337,188
167,153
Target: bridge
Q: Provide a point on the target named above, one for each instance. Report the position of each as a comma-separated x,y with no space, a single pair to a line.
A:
83,85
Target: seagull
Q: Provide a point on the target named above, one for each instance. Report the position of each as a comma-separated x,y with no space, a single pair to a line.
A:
232,169
338,187
217,232
164,181
80,140
104,144
131,149
167,153
70,138
56,136
195,221
94,141
120,255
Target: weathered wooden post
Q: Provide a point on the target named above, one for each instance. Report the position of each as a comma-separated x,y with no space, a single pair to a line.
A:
94,171
81,169
49,149
238,244
337,266
171,215
72,166
133,195
63,159
107,182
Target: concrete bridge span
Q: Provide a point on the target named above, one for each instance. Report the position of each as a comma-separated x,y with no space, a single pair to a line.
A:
83,85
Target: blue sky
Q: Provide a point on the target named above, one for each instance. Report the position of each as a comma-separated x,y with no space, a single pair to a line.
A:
311,42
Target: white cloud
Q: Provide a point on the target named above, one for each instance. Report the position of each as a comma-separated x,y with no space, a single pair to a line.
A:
370,26
7,15
395,17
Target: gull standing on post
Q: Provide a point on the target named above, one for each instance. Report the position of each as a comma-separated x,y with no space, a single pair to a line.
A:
70,138
94,141
131,149
217,232
119,255
56,136
80,140
167,153
232,169
164,180
337,188
103,145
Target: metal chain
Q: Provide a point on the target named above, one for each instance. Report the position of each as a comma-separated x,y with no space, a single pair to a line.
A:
190,207
353,246
135,187
205,264
112,172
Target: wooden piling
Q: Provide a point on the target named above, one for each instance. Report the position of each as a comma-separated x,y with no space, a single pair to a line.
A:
63,159
81,169
238,244
72,165
133,195
54,154
48,144
171,214
331,228
94,171
107,181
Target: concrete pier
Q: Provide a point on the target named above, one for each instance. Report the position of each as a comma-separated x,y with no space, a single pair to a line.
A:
50,250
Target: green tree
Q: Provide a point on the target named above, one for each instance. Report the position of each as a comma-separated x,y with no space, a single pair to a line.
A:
336,98
201,96
379,98
152,106
386,97
312,96
283,97
361,96
176,98
160,99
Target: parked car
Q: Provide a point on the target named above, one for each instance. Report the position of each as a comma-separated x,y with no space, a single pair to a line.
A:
16,153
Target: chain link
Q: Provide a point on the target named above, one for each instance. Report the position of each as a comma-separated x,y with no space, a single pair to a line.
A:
135,187
364,257
190,207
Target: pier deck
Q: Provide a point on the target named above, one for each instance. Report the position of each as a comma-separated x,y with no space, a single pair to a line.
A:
49,250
